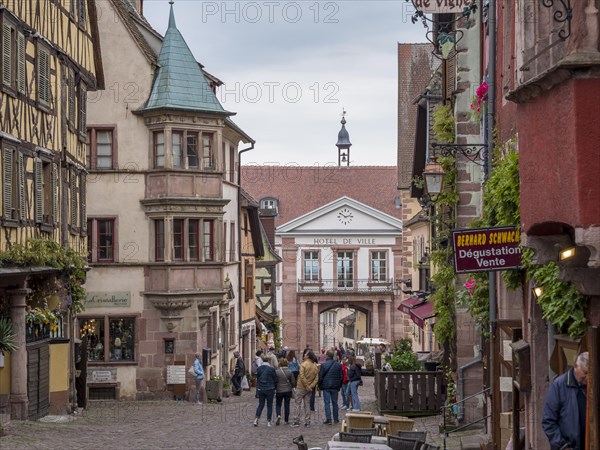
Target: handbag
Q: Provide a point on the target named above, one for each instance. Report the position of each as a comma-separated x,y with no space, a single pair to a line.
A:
245,385
192,371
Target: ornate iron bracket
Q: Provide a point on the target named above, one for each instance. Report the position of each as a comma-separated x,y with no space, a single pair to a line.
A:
466,12
473,152
561,16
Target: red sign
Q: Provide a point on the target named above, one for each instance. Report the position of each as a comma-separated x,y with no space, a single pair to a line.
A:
486,249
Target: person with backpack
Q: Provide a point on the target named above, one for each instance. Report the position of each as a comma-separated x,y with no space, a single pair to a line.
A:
257,362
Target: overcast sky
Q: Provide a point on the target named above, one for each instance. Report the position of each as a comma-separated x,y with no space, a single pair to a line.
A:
290,67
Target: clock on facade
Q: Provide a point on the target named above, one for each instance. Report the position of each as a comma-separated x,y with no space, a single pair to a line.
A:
345,216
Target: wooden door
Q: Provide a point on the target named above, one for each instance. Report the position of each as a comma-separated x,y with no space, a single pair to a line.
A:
38,380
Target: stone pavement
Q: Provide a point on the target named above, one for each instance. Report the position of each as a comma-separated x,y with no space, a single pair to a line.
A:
168,424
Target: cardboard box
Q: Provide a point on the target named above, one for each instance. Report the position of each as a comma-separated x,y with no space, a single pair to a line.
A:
506,420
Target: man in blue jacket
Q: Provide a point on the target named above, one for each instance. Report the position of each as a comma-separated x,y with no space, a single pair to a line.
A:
330,382
564,410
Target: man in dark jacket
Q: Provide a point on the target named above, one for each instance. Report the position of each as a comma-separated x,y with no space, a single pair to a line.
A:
239,372
330,382
564,410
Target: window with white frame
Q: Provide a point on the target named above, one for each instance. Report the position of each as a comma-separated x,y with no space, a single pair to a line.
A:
378,266
101,148
345,269
311,266
188,149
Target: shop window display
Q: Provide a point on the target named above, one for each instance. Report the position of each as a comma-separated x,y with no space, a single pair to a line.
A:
117,335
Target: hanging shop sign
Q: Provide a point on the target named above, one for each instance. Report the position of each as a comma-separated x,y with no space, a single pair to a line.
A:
486,249
442,6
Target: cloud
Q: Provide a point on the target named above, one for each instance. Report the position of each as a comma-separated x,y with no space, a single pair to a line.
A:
290,68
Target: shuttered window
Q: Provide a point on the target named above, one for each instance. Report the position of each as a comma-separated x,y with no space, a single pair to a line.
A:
21,82
21,178
82,110
82,204
43,76
71,98
54,187
81,13
38,181
449,75
7,54
74,192
7,182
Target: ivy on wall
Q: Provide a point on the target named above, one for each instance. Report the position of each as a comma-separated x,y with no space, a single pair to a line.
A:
47,253
560,302
443,219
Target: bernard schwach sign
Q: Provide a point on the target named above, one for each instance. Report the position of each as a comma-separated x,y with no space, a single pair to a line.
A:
486,249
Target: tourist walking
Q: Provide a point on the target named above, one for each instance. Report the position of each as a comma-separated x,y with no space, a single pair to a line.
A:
257,362
330,382
306,383
199,371
239,372
283,391
293,363
273,357
345,392
354,381
266,382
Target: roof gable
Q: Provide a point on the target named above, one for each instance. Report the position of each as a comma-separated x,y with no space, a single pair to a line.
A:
343,216
179,82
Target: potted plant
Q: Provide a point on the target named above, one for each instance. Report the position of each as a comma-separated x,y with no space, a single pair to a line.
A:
226,389
251,379
214,388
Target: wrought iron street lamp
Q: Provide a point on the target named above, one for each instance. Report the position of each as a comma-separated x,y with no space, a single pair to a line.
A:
433,177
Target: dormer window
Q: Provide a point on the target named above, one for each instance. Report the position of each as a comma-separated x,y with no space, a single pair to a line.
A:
269,204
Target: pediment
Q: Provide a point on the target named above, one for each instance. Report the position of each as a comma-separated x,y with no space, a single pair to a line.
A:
343,216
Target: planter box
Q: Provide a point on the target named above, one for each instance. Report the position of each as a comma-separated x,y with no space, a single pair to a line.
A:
214,390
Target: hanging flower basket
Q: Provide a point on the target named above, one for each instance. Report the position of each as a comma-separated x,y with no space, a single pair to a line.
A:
479,103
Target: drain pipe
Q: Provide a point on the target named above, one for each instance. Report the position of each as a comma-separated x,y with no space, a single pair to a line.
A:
461,380
239,241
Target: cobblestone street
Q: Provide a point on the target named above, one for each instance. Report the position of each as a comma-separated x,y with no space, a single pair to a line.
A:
169,424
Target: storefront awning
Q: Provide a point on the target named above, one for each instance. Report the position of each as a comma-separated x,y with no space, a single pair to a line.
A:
409,304
422,312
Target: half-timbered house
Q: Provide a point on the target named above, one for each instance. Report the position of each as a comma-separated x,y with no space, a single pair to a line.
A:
49,61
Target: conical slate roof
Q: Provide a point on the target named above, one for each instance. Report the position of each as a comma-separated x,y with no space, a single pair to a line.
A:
179,82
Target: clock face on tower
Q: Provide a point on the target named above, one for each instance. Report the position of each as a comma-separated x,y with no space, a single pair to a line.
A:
345,216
